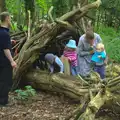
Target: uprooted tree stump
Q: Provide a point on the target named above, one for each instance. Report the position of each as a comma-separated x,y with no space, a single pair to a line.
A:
46,36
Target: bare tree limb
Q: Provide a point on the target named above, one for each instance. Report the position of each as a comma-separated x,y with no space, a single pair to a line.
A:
50,13
84,8
29,25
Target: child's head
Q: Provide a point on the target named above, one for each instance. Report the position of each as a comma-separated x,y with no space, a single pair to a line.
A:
71,45
100,47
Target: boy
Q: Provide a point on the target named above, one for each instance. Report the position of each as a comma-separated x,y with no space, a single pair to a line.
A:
98,60
54,62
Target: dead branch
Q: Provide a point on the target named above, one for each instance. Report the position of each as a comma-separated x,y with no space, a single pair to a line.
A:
29,25
50,13
84,8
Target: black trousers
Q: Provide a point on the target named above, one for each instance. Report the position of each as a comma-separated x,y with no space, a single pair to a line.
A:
5,83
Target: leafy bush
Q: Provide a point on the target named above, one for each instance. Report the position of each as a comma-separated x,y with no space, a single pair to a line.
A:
111,39
25,94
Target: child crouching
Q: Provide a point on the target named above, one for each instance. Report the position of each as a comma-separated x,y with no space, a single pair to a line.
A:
54,62
98,59
71,54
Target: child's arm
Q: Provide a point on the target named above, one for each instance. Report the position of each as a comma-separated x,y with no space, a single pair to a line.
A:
51,67
59,62
102,56
73,57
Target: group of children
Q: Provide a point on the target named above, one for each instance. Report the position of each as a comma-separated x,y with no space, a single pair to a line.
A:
70,53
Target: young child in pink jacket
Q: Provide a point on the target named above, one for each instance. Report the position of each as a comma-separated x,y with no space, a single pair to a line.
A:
71,54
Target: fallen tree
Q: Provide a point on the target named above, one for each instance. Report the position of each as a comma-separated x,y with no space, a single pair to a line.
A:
95,93
45,37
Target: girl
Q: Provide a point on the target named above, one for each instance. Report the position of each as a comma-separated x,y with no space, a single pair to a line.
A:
71,55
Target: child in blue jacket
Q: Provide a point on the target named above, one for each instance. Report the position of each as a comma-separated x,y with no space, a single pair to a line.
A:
98,59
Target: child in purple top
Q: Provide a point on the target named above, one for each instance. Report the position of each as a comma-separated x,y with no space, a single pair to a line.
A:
54,62
70,53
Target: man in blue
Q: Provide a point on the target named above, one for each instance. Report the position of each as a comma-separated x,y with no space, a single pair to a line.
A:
6,59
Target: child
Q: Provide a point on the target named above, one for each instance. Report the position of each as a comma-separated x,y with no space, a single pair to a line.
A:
71,54
98,59
54,61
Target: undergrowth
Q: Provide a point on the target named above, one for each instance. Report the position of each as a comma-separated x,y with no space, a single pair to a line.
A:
111,39
25,94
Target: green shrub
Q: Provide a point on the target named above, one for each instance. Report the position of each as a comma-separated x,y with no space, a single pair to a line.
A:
111,39
25,94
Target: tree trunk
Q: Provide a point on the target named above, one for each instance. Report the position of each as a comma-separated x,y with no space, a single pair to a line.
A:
95,104
68,85
92,96
30,5
2,6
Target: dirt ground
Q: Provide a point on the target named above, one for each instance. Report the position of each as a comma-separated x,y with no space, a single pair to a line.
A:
46,106
42,107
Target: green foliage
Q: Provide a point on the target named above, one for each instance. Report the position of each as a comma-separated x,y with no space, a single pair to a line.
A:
16,8
111,39
109,13
63,6
25,94
14,26
17,11
42,7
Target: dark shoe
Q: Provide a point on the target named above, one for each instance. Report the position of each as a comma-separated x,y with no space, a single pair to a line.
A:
3,105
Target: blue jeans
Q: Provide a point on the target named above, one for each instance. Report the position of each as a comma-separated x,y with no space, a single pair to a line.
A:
100,70
57,62
74,70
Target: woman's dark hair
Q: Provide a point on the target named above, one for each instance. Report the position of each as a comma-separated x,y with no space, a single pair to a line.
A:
89,35
89,32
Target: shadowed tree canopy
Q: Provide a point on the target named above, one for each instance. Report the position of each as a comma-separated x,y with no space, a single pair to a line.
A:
2,6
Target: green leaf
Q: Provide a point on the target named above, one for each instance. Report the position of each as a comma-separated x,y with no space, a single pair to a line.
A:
28,87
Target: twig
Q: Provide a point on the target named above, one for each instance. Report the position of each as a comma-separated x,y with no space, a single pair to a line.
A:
85,82
91,94
29,25
85,2
113,83
16,45
64,23
15,57
50,13
83,24
17,33
115,79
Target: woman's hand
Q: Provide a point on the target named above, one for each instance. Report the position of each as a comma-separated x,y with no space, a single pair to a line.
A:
91,52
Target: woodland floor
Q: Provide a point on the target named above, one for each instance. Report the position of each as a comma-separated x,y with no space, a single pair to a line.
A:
43,107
